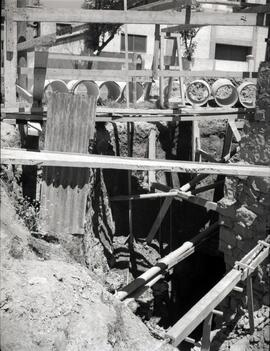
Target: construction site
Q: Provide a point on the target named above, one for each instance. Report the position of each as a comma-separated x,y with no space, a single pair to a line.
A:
135,175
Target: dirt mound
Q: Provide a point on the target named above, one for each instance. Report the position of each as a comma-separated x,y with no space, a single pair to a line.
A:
56,305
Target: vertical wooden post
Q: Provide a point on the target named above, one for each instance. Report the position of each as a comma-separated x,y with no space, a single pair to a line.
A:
129,141
251,63
30,132
134,80
126,56
70,128
181,79
250,304
196,141
206,341
10,54
152,155
225,151
155,60
161,67
173,63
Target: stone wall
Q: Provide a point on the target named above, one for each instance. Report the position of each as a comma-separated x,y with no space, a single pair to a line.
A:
246,215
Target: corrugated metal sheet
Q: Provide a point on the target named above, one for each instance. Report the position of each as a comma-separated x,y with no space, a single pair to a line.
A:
70,126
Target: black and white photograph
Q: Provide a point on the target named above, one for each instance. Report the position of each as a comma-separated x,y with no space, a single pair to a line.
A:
135,175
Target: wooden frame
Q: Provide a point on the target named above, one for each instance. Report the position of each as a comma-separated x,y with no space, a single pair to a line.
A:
18,156
63,15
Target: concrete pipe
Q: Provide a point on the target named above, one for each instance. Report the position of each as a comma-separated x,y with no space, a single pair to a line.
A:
52,86
109,91
224,93
247,94
139,92
198,92
83,87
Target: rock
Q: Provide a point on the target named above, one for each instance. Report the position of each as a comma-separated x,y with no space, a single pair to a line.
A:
241,345
9,135
266,334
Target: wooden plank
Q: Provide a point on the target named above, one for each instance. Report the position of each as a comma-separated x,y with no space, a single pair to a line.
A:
207,324
143,196
72,57
154,61
196,141
65,15
181,81
56,73
10,54
40,68
64,190
152,154
203,308
157,223
20,117
250,304
24,94
235,131
15,156
161,68
173,63
29,135
161,5
207,304
221,2
178,111
206,187
44,41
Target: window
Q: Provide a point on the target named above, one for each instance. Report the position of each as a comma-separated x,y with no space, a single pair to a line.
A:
232,52
136,43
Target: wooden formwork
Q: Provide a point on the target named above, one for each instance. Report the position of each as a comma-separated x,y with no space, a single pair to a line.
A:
36,113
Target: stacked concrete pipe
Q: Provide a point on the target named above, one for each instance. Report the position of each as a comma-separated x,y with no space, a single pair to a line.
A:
110,91
229,100
250,103
51,86
84,87
196,100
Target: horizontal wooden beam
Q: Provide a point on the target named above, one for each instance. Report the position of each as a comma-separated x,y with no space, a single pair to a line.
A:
160,5
59,56
46,40
21,117
180,111
61,15
144,196
121,75
221,2
17,156
201,310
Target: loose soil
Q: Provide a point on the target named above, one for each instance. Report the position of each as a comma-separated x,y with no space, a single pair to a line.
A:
197,92
248,95
224,92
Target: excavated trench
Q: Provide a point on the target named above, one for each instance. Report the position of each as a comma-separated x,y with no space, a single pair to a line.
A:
191,279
